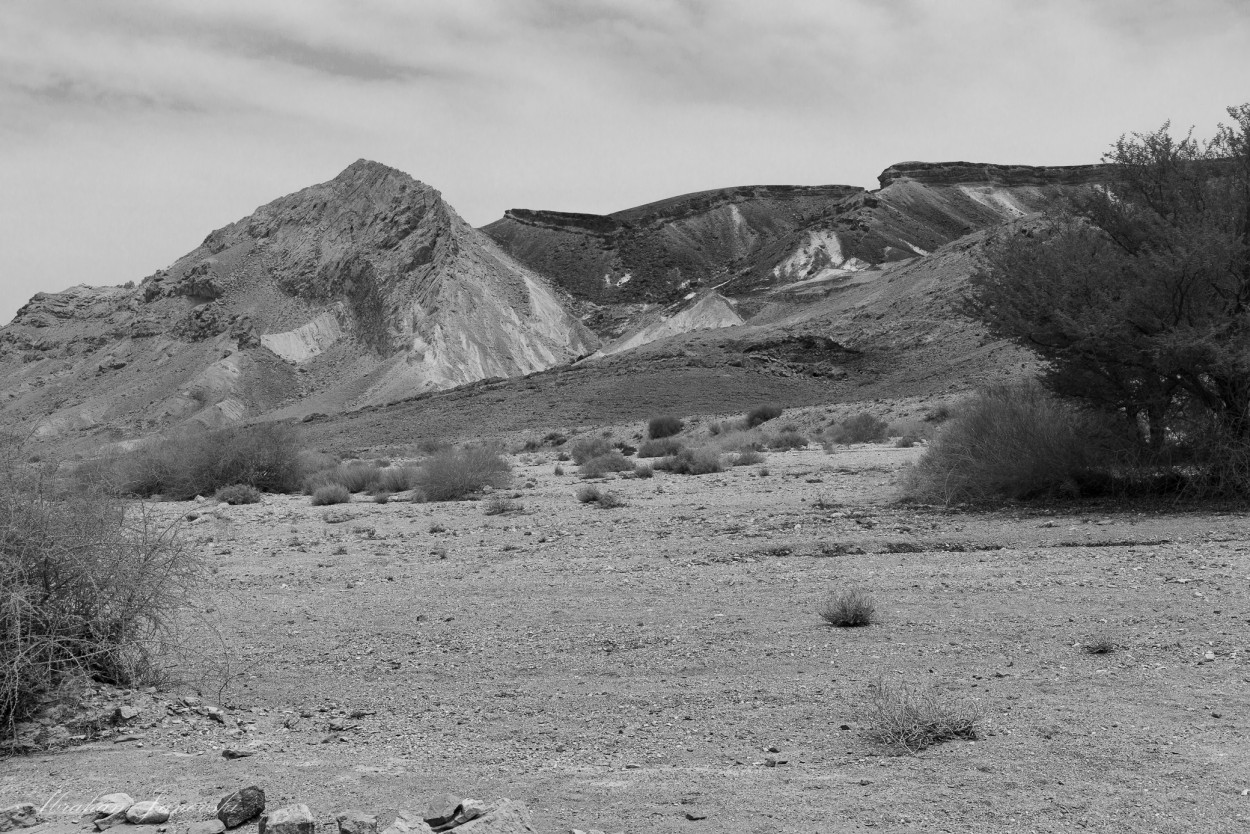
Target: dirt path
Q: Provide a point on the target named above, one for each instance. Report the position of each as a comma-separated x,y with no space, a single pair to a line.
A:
620,669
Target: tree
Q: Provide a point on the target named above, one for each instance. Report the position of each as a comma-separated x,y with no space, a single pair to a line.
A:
1137,293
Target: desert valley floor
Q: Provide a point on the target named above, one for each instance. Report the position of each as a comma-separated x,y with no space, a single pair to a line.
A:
661,667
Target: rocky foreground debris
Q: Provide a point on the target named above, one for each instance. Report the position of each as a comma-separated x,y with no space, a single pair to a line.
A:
247,805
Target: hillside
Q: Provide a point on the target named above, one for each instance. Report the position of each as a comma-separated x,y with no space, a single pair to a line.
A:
363,289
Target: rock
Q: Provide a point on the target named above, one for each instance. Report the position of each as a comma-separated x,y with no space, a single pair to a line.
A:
150,812
1209,656
231,753
126,713
22,815
408,822
241,806
112,803
695,816
502,817
208,827
289,819
356,822
441,809
111,820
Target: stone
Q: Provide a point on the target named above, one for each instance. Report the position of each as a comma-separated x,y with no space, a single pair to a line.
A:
289,819
441,809
111,820
150,812
241,806
408,822
213,826
112,803
22,815
353,821
502,817
232,753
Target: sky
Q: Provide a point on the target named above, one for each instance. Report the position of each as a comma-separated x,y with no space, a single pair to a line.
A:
130,129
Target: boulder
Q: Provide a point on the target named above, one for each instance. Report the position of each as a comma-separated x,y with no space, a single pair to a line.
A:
241,806
112,803
289,819
22,815
213,826
150,812
502,817
356,822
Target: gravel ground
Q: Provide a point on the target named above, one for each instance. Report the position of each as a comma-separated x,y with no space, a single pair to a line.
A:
634,668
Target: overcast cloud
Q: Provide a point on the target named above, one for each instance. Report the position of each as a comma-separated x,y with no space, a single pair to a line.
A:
131,129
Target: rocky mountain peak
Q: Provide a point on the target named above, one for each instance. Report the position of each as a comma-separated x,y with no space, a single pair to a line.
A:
963,173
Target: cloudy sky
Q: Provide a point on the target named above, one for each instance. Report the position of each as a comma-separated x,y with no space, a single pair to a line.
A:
132,128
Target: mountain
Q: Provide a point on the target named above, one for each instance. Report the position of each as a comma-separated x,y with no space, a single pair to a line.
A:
360,290
752,239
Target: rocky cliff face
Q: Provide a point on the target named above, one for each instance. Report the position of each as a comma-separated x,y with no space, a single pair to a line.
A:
748,240
362,289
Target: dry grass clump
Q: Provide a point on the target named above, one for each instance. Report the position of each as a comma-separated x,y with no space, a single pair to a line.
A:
604,499
600,465
238,494
458,473
1100,643
499,505
642,470
182,466
692,462
762,414
748,458
1010,441
788,438
858,428
331,494
396,478
848,609
910,719
664,426
660,448
86,588
590,447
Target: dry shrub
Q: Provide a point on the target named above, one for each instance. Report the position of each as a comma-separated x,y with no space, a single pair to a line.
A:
498,505
665,426
86,587
660,448
1010,441
748,458
265,456
910,719
602,498
331,494
692,462
397,478
787,439
848,609
458,473
601,465
762,414
858,428
642,470
238,494
590,447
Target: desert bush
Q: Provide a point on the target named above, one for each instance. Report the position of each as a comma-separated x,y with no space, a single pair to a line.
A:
238,494
748,458
786,439
1100,643
602,498
762,414
692,462
356,475
432,446
381,497
559,470
498,505
642,470
660,448
1011,441
859,428
665,426
331,494
86,588
601,465
910,719
906,441
554,438
848,609
458,473
589,447
397,478
265,456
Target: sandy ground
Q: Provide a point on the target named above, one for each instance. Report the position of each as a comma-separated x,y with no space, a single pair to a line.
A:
627,669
